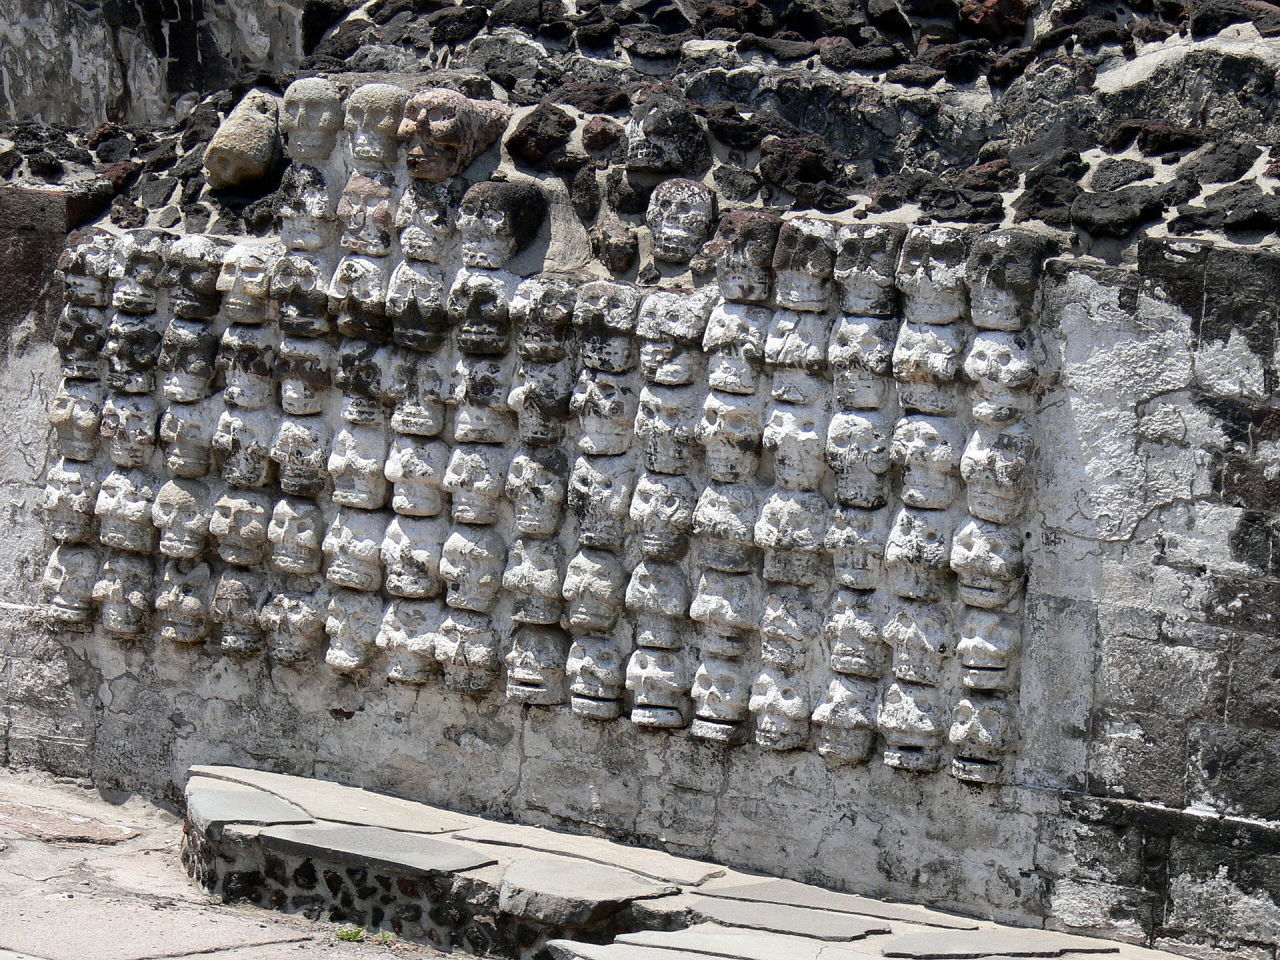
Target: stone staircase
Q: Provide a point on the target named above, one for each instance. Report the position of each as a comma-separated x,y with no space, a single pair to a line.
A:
459,882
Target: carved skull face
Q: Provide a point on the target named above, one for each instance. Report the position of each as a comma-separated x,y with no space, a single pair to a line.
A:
68,582
124,592
540,398
247,359
861,357
931,274
239,524
295,533
446,131
1003,374
664,427
425,221
727,605
664,136
467,649
594,586
305,367
989,644
920,637
352,548
853,635
789,623
408,633
533,578
858,453
411,555
780,704
791,528
416,305
480,401
671,324
183,603
912,727
928,450
662,509
1003,271
363,376
180,512
306,219
599,494
471,564
299,282
796,437
982,734
926,361
186,430
80,337
596,675
352,619
605,404
916,554
478,305
681,214
76,416
123,509
730,432
357,466
537,487
855,539
312,118
724,523
543,307
191,272
606,308
244,439
187,352
866,258
416,467
137,269
987,558
373,118
721,694
69,498
132,349
85,265
658,680
796,340
996,472
743,248
803,261
498,219
475,477
245,278
295,625
658,594
734,344
536,665
301,448
415,386
367,210
846,721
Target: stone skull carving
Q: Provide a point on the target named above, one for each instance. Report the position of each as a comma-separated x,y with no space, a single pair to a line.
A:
780,704
307,218
796,350
730,432
478,307
1003,373
299,284
411,550
789,625
734,344
187,431
594,589
416,469
245,145
372,121
247,359
475,478
481,413
311,119
728,607
132,350
852,631
497,219
79,337
803,262
671,324
183,603
186,360
662,511
599,496
295,625
996,471
920,636
467,650
540,396
724,523
659,681
68,582
916,554
658,596
533,578
931,274
987,559
408,635
866,261
664,426
137,269
305,367
928,450
855,539
983,733
367,211
446,131
245,280
243,437
181,514
861,357
123,509
239,525
357,466
743,250
543,308
597,675
85,266
846,721
721,695
681,215
300,448
76,417
124,595
357,297
537,486
796,436
605,405
417,388
912,727
425,221
352,619
605,317
192,265
858,454
364,376
352,548
471,564
1003,272
416,305
536,665
295,532
791,529
129,424
664,136
926,362
988,649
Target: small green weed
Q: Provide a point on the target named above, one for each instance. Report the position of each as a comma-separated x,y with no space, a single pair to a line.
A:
351,934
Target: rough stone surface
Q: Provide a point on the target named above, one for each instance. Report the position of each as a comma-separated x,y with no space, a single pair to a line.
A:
566,893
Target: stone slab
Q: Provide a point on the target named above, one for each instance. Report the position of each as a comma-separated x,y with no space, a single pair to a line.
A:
783,918
326,800
805,895
63,927
212,804
741,944
648,863
1005,942
60,826
374,847
572,950
571,893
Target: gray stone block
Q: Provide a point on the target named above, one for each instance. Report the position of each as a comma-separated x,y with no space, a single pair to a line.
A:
804,895
375,847
571,893
212,804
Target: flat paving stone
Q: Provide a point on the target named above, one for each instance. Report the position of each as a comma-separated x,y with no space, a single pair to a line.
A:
60,826
326,800
805,895
212,804
375,847
741,944
571,893
572,950
1004,942
649,863
61,927
783,918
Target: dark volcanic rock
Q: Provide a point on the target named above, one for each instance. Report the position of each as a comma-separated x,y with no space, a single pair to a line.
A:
616,245
735,184
1113,173
1240,206
1153,138
1117,213
1221,162
591,96
540,134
